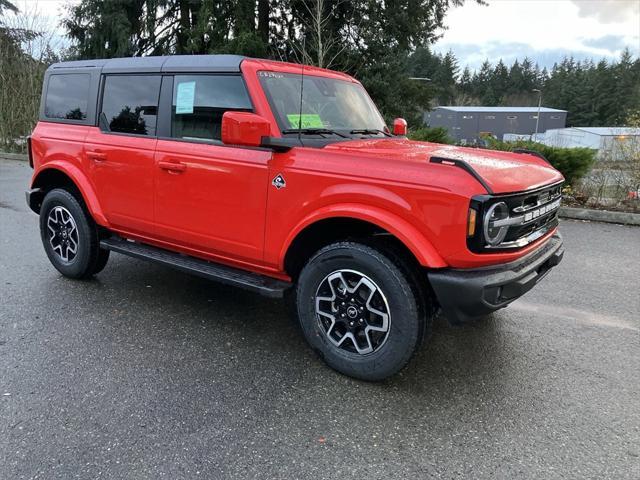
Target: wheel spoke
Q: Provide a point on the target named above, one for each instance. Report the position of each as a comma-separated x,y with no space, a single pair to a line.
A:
58,215
345,298
345,285
63,233
385,320
72,246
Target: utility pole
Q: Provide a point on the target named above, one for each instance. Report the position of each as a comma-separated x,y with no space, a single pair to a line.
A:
535,138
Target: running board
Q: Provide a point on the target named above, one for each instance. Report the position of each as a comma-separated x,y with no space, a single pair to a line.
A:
267,286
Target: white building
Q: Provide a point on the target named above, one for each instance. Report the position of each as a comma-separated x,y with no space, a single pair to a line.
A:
611,142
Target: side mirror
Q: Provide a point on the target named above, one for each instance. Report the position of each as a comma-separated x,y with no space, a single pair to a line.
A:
400,127
244,128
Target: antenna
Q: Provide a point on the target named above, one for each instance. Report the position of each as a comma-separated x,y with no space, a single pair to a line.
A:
304,50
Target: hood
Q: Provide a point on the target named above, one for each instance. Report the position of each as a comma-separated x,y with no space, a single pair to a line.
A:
502,172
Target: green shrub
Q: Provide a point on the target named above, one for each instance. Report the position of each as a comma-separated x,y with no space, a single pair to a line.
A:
435,135
573,163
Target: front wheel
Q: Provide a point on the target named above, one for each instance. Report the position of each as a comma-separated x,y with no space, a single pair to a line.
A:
70,236
360,310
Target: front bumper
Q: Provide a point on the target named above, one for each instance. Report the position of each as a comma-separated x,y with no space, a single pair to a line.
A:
471,293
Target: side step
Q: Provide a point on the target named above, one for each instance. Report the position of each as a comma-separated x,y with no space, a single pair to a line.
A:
267,286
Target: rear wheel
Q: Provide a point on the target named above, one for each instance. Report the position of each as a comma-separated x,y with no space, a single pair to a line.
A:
70,236
360,310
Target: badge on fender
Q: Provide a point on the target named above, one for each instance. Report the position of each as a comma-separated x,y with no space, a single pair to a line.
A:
279,182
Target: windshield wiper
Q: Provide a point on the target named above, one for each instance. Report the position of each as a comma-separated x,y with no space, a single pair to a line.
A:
370,131
314,131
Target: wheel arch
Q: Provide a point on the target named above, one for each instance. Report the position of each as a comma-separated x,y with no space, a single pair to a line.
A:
342,222
71,178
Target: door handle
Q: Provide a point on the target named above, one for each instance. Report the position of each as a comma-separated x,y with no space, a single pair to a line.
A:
173,166
97,156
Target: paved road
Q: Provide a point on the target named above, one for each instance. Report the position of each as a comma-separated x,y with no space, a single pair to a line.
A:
143,372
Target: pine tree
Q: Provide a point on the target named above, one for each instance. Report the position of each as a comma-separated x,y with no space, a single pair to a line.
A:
500,81
602,94
482,80
529,77
423,63
444,79
465,82
371,40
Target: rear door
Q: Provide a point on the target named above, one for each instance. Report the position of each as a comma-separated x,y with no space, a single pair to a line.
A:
120,151
209,197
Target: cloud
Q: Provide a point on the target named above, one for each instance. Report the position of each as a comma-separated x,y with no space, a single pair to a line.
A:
607,42
473,55
608,11
544,30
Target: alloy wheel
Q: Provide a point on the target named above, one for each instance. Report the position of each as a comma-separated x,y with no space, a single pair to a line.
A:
353,311
63,233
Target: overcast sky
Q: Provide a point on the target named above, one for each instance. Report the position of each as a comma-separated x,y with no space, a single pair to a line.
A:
543,30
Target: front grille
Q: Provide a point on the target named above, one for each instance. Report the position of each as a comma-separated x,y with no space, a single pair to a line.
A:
531,215
546,222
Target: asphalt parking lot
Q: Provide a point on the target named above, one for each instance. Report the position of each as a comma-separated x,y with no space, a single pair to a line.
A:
143,372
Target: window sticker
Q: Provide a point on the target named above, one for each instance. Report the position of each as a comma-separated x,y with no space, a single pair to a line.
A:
306,120
185,97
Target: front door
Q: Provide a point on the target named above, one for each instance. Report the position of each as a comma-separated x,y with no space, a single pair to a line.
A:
120,152
210,197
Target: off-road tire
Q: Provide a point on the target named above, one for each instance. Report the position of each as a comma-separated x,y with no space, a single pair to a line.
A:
89,258
396,282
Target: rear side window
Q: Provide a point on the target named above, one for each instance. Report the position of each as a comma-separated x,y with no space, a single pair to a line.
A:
199,101
67,96
130,104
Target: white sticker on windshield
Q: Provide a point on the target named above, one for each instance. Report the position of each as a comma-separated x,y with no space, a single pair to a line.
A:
185,97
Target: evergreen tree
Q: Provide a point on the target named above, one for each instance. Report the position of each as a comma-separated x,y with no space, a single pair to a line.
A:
382,43
500,82
424,63
465,82
482,80
529,77
370,39
444,79
516,78
594,94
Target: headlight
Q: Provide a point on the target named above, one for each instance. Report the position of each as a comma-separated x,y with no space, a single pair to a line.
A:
494,232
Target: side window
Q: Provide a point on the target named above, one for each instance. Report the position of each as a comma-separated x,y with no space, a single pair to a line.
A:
130,104
67,96
199,101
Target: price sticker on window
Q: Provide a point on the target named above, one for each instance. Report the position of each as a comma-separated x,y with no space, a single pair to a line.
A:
185,97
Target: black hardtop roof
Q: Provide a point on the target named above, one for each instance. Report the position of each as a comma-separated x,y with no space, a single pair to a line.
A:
170,63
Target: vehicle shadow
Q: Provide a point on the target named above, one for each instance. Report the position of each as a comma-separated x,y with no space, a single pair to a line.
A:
255,341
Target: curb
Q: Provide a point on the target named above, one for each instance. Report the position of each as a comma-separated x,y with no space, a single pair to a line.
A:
14,156
624,218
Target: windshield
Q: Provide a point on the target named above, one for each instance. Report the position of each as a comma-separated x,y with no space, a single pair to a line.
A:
327,103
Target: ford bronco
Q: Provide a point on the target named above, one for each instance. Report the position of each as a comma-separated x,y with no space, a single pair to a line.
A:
285,180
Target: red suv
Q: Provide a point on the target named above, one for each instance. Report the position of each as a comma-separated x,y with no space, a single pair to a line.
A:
284,179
